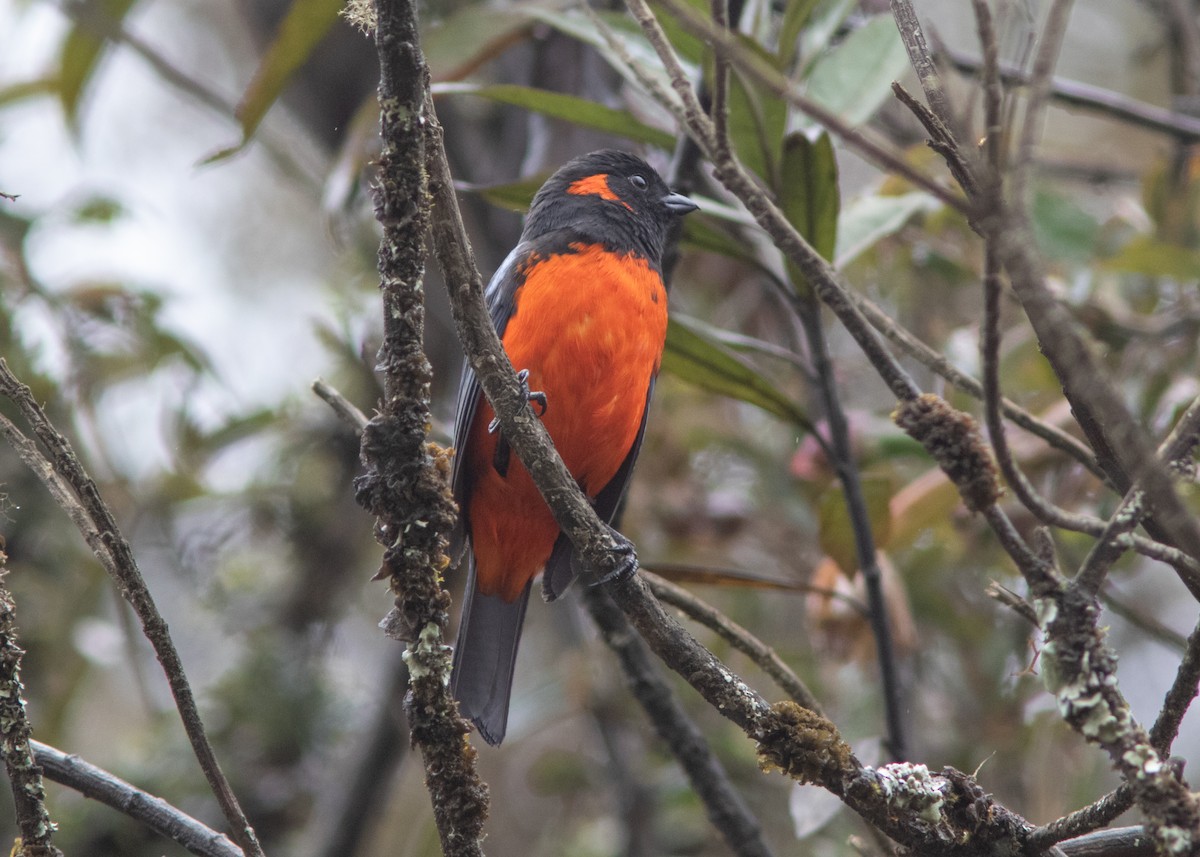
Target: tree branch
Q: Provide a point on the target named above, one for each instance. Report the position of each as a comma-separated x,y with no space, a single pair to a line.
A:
158,815
726,809
24,774
76,492
405,485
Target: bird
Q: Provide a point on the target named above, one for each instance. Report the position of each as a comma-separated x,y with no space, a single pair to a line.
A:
581,308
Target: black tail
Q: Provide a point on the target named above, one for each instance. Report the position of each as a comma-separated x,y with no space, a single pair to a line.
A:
484,656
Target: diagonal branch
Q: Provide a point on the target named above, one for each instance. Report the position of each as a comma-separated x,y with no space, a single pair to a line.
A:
75,491
158,815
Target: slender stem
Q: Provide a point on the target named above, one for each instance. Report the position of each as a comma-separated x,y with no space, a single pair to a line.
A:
719,110
734,634
99,527
154,812
1095,99
860,522
725,807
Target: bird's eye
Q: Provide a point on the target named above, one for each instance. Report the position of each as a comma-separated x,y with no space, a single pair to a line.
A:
638,181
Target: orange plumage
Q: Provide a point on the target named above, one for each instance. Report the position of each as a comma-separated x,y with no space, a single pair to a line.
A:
581,307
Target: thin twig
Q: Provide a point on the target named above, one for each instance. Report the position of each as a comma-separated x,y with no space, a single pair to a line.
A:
921,59
1039,91
860,525
1111,104
1119,842
939,365
868,144
741,639
100,530
720,86
1179,697
726,809
342,406
1082,821
154,812
1147,624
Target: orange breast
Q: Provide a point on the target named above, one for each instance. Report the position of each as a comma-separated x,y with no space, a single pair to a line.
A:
589,326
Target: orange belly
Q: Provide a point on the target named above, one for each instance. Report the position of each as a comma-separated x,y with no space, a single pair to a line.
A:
589,326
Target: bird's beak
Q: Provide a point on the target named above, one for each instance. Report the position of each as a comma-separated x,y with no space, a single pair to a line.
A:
679,204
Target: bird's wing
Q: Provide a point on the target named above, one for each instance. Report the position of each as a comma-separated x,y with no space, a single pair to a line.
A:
501,296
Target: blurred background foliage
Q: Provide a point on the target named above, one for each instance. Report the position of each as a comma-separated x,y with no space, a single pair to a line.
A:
192,244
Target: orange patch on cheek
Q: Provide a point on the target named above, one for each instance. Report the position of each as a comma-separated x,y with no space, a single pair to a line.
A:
596,185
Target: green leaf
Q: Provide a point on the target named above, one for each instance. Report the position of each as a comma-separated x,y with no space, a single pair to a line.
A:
809,195
1062,229
855,77
686,45
82,49
456,46
1152,258
700,359
570,108
870,219
757,118
836,532
302,28
514,196
795,16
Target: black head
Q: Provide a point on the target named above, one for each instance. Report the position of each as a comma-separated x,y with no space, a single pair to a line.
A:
611,198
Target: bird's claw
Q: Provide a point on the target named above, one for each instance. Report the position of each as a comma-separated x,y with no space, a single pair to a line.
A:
535,396
625,563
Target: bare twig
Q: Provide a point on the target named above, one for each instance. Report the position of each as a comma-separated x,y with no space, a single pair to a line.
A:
939,365
1039,90
724,806
63,472
342,406
1095,99
869,145
1082,821
734,634
158,815
720,86
1179,697
860,521
1119,842
921,59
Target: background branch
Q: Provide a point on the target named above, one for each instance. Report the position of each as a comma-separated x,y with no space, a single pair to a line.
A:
158,815
88,510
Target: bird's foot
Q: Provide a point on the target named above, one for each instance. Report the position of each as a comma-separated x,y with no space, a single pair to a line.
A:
624,560
536,397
